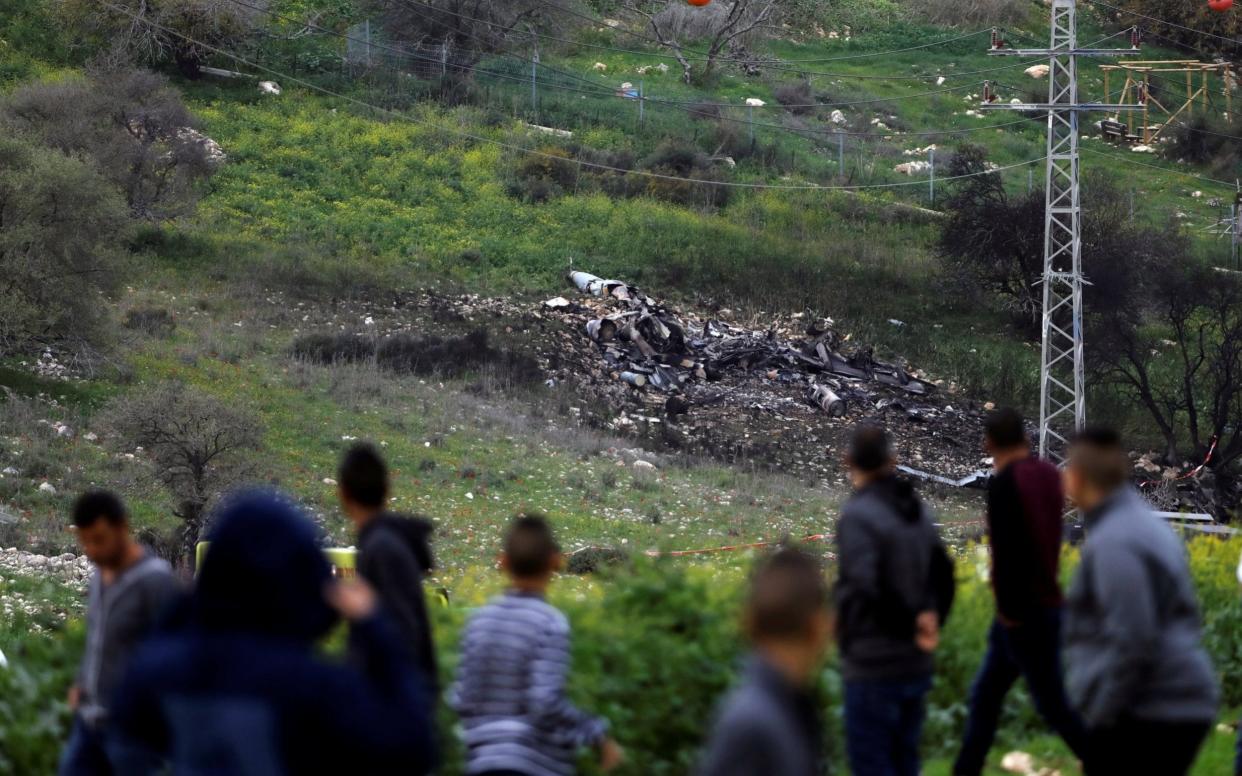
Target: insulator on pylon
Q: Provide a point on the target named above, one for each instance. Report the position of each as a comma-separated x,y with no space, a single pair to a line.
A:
997,40
1141,94
1136,37
987,92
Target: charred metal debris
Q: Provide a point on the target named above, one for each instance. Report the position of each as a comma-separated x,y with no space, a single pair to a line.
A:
782,391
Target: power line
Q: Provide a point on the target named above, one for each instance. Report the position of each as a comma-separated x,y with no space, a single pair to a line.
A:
1165,22
609,93
1128,160
785,67
532,151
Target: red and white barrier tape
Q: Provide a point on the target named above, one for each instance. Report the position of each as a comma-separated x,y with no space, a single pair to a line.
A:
1188,475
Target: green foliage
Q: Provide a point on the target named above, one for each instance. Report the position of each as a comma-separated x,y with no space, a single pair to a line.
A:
42,653
62,222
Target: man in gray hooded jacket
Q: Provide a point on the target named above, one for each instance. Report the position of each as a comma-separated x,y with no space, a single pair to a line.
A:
1138,674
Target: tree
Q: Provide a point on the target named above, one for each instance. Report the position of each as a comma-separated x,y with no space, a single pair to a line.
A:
60,222
468,28
719,25
1180,21
182,32
1178,353
993,240
132,124
198,445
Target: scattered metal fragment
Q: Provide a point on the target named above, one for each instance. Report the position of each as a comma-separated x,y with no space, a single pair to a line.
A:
978,479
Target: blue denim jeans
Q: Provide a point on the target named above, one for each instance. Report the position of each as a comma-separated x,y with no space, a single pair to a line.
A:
1032,651
883,724
87,752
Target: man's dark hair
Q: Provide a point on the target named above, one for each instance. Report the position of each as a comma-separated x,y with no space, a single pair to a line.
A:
1099,456
1005,428
787,591
95,505
364,476
530,546
870,448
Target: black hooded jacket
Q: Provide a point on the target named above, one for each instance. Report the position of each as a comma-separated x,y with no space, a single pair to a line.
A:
893,566
238,687
394,554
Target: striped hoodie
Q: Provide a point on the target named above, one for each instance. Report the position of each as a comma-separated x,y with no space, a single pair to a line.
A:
510,690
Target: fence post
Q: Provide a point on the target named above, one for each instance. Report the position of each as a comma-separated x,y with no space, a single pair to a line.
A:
534,84
931,169
841,154
444,58
642,103
367,30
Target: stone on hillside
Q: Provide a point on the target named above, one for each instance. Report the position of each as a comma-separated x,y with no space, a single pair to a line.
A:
48,488
269,87
1037,71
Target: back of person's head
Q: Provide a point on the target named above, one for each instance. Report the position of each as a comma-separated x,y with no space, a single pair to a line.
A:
871,450
1005,429
1098,459
530,548
264,571
788,597
363,476
94,505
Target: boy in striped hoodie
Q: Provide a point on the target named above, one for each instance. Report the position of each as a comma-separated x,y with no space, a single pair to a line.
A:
510,690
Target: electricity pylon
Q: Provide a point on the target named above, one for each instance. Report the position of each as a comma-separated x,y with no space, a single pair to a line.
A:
1062,403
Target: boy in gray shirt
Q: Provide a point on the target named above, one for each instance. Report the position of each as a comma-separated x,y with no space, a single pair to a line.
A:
127,592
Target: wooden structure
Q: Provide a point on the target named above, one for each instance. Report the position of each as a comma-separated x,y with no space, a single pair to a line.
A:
1145,126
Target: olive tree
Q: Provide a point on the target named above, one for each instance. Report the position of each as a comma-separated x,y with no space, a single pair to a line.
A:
60,222
199,447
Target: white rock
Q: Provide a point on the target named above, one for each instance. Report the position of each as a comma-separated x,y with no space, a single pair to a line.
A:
838,118
1037,71
329,481
47,487
912,168
1196,194
557,302
470,496
9,470
642,465
599,67
940,81
1015,101
91,436
269,87
754,102
1142,149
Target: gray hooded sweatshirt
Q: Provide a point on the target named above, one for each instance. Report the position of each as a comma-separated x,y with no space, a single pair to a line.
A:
1132,628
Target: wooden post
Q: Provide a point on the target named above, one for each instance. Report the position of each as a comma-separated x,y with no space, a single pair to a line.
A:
1190,87
1146,102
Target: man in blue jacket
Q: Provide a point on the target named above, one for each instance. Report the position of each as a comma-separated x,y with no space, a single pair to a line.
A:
238,688
1138,673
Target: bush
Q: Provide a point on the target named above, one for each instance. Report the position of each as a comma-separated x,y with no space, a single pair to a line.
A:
1205,140
420,355
971,13
152,321
798,98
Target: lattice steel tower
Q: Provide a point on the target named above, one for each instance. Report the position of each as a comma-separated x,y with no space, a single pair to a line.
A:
1062,403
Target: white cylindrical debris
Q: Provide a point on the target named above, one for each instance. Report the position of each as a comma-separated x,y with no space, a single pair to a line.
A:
635,379
823,397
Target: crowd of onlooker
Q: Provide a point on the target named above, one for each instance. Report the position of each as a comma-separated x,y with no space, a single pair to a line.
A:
226,677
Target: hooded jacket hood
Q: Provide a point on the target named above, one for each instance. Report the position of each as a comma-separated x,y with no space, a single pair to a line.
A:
264,571
415,531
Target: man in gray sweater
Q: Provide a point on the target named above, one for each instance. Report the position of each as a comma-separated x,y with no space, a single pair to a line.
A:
771,723
129,590
1138,673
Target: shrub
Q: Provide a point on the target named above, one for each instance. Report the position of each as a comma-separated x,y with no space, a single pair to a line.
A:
1205,140
152,321
971,13
796,97
421,355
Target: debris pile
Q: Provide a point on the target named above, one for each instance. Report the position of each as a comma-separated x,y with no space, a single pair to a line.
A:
783,392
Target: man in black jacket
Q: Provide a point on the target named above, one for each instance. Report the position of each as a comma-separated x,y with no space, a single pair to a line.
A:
393,553
894,590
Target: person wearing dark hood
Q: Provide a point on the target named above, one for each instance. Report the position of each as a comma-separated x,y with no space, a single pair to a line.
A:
771,723
238,686
393,552
894,590
128,592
